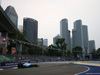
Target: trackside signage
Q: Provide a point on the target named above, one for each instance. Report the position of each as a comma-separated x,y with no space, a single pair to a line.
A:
8,64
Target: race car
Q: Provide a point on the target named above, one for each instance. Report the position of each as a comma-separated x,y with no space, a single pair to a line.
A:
26,65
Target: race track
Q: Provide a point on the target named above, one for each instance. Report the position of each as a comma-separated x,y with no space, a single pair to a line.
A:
47,68
93,68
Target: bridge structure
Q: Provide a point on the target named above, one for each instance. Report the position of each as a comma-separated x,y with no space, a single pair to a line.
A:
7,26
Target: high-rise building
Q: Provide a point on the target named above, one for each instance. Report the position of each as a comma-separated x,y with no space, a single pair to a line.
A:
69,40
11,12
31,28
40,41
77,37
91,46
64,32
45,42
85,39
55,38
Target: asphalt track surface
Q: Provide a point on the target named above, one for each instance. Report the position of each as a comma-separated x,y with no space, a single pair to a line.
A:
93,68
47,68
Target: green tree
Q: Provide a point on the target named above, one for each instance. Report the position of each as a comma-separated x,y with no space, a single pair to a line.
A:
50,50
68,54
60,43
98,51
58,52
35,51
95,52
77,51
53,51
31,51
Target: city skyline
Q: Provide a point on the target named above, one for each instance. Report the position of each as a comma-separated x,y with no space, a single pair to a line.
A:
49,13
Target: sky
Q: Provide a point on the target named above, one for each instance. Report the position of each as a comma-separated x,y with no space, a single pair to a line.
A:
49,13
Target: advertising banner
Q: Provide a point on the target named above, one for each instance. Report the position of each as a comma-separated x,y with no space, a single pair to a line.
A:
4,50
3,41
13,50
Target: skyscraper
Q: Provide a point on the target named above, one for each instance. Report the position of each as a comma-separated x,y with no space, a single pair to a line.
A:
64,32
11,12
77,37
91,46
45,42
40,41
31,28
85,39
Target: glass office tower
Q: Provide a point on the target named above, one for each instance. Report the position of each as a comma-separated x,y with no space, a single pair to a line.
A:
85,39
77,37
64,32
11,12
31,28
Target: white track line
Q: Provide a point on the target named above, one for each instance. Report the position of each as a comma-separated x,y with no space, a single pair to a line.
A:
83,71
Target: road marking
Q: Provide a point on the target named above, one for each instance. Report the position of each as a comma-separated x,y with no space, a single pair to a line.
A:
83,71
93,73
91,66
95,64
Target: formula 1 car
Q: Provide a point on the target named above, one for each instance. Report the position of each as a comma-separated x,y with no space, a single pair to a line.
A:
26,65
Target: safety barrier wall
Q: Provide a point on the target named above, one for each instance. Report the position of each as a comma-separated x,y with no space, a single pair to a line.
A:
15,63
